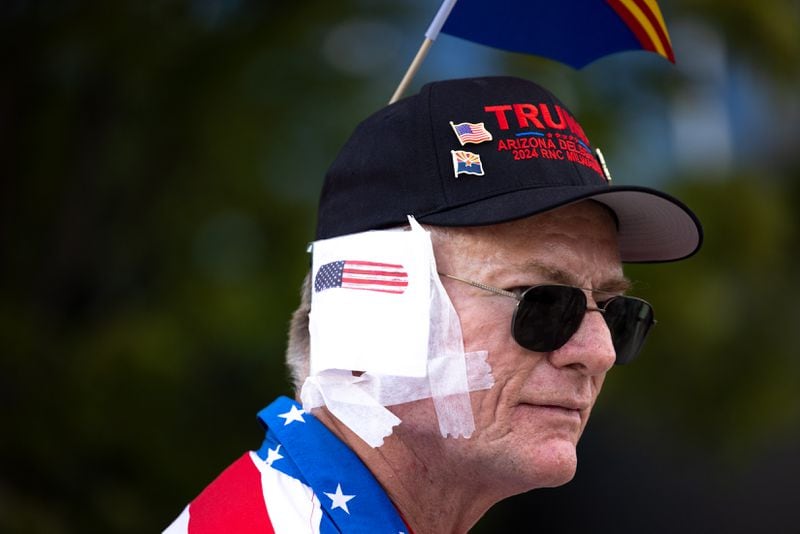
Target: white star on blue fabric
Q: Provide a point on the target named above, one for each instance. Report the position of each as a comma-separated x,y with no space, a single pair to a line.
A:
292,415
339,500
273,454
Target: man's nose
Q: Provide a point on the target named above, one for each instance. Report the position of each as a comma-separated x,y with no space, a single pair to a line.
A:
590,348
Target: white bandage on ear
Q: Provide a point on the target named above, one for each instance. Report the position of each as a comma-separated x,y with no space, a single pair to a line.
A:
368,318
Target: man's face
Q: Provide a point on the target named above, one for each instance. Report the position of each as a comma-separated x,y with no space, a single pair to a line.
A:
529,422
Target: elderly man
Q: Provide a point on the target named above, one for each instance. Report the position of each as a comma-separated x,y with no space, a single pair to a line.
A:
465,302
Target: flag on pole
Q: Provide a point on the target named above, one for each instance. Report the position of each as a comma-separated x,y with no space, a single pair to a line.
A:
574,32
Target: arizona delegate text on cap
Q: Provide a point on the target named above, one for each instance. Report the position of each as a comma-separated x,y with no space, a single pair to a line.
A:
477,151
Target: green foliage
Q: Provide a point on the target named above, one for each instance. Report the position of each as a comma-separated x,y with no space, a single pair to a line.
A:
727,335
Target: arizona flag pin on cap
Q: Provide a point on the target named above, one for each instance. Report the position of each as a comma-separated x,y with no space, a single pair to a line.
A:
466,163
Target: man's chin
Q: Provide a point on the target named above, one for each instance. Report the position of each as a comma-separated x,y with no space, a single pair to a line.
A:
558,464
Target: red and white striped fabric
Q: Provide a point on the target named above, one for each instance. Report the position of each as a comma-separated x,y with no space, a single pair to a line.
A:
235,502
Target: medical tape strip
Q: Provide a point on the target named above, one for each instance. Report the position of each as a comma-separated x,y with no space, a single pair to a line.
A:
352,405
360,401
447,373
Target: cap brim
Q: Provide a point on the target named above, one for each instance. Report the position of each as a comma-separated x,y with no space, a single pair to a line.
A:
653,226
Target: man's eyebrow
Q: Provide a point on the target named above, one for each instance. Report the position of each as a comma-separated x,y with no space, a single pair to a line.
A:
615,285
560,276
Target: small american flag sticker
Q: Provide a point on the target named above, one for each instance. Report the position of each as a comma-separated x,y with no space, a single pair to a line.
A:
362,275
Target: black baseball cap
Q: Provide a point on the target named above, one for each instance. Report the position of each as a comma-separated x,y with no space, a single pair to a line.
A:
478,151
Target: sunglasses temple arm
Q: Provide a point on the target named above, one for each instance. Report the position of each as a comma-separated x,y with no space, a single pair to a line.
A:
479,285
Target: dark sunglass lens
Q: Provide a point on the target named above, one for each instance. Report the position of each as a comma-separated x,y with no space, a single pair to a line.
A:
629,319
547,316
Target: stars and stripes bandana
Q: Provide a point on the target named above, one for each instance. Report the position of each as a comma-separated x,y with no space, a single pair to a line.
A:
303,479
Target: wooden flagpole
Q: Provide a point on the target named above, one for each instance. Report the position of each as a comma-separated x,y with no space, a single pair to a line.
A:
412,70
430,37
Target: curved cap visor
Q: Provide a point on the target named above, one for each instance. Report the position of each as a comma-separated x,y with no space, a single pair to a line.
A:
652,225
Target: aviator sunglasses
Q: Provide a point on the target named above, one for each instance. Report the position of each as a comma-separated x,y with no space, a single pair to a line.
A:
547,316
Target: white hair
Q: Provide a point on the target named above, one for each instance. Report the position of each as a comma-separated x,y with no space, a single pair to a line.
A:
298,349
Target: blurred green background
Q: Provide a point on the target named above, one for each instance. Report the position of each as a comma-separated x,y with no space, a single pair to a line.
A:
160,167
